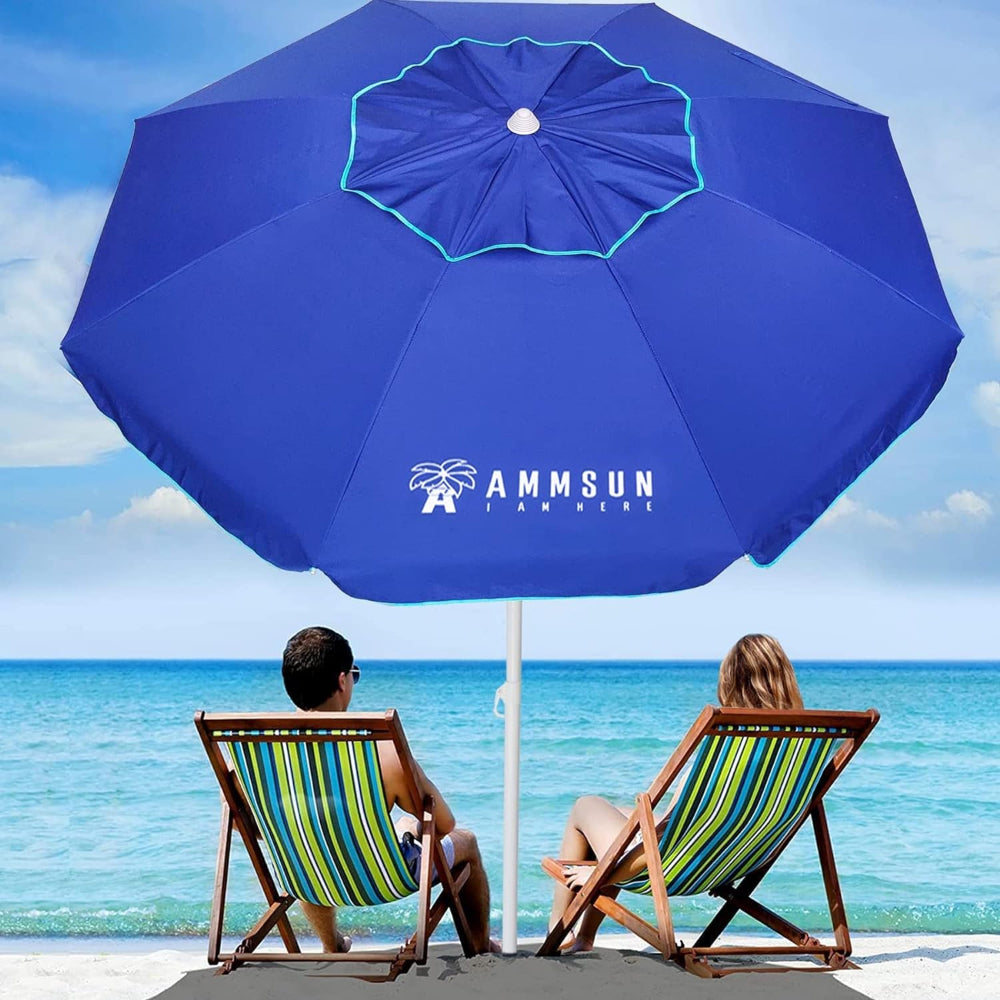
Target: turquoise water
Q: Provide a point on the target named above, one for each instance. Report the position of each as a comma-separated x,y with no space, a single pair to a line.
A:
110,814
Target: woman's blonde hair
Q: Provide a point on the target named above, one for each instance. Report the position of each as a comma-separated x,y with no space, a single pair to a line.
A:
756,673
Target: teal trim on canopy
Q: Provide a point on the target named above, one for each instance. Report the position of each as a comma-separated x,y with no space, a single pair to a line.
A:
522,246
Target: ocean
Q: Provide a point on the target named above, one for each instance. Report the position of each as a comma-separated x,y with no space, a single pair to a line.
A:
110,812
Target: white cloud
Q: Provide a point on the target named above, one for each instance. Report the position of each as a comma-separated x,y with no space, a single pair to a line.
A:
841,507
965,503
45,239
156,536
845,510
165,505
987,402
962,508
84,520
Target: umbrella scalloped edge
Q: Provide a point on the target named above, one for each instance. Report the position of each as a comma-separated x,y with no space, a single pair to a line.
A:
382,170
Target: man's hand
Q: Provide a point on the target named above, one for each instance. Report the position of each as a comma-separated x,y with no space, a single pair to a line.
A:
577,875
408,824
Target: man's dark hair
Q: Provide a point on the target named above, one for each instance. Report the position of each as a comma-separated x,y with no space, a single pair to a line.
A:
314,660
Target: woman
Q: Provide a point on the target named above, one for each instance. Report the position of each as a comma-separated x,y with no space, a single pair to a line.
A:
755,673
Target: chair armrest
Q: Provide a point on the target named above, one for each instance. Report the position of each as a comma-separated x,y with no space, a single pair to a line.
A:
428,811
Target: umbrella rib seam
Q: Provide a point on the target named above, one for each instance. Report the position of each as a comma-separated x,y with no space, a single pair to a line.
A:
416,13
950,323
584,215
770,67
251,102
629,8
855,109
673,394
423,17
459,243
73,334
381,404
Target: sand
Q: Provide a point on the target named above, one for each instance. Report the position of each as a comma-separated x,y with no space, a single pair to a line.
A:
921,967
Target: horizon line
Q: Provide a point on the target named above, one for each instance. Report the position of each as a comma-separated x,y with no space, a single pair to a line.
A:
475,659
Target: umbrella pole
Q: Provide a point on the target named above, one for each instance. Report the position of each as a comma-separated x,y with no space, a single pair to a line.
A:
511,775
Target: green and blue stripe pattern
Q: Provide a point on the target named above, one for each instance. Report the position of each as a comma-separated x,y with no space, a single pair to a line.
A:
742,796
321,809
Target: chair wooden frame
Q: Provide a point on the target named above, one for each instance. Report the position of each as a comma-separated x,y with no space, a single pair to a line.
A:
236,814
600,893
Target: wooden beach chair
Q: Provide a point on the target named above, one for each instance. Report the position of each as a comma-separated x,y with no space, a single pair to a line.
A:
757,776
310,788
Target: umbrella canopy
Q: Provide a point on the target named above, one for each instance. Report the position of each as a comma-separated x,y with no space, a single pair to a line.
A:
372,328
471,300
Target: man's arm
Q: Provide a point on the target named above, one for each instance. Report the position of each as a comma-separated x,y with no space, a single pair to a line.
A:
397,790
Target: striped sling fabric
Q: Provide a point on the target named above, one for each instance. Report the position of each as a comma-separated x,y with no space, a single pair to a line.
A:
321,809
743,794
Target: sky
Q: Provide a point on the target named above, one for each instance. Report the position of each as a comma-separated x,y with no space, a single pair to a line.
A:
101,556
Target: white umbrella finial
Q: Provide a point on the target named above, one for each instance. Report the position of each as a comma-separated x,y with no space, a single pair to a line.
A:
523,122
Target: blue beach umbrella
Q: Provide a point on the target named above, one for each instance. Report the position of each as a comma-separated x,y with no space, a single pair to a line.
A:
461,301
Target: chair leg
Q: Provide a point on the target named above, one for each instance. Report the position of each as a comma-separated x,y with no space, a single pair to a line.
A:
435,913
272,916
397,968
585,897
605,901
610,907
451,892
278,903
654,864
838,915
777,923
432,857
424,885
451,888
738,898
244,822
731,907
221,881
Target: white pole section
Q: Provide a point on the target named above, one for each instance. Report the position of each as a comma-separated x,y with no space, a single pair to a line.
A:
511,775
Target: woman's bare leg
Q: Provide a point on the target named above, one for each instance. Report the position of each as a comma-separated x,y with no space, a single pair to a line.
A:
591,828
586,930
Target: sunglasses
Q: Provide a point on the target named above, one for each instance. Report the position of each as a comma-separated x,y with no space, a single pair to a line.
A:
355,674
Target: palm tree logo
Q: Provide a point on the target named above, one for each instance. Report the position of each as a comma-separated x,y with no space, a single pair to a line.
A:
443,481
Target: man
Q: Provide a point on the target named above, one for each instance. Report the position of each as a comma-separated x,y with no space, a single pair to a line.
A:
319,674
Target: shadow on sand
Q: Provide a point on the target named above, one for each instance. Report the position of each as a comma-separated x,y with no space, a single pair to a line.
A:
934,954
623,975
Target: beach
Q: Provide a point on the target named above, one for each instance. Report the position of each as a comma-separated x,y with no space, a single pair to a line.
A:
893,967
112,901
